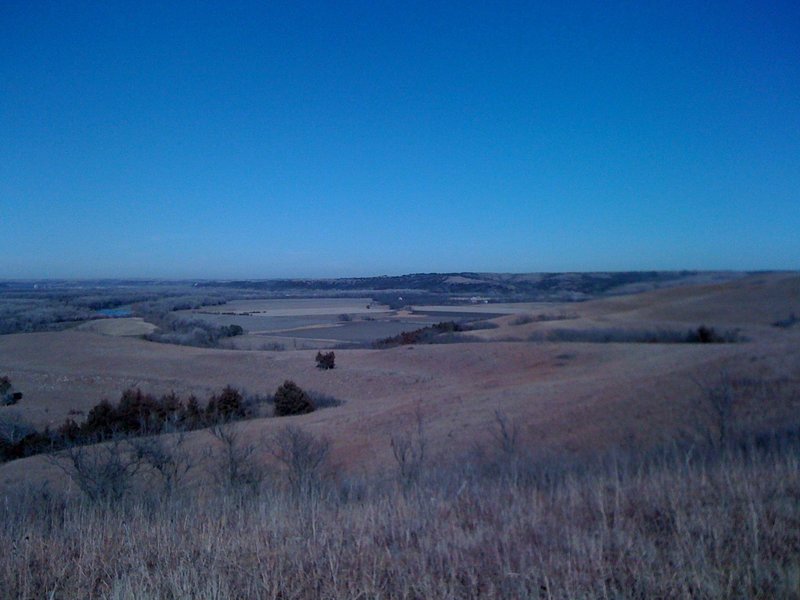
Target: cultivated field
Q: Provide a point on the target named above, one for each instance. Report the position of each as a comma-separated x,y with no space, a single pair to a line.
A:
303,323
298,307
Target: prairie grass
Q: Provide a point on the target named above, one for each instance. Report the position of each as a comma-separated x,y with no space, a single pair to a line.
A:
680,522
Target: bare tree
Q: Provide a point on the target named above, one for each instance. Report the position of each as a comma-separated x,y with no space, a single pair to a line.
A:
409,451
165,457
104,472
719,405
506,437
13,427
505,434
237,467
304,457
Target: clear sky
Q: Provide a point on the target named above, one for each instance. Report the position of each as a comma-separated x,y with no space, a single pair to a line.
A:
279,139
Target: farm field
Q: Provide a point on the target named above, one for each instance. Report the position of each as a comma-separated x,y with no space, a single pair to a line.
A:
304,323
298,307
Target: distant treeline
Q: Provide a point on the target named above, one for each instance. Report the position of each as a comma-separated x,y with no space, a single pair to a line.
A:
52,308
701,335
424,335
141,414
136,413
468,283
195,332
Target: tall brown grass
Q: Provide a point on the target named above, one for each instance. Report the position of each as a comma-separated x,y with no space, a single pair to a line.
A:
676,523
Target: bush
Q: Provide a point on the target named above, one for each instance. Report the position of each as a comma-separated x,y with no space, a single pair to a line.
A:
424,335
325,360
237,469
104,473
7,394
291,400
226,406
787,322
304,457
231,331
708,335
195,332
321,400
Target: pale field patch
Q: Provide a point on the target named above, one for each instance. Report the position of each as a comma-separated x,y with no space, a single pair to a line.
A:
128,326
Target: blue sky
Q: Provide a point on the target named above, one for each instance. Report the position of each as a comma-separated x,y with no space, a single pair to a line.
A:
200,139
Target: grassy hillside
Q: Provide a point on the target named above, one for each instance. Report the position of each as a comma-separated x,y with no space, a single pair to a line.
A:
680,522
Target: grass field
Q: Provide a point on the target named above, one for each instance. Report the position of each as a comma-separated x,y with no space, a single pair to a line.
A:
675,524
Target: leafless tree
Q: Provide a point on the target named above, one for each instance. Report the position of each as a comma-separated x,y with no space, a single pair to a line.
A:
165,457
304,456
104,472
409,451
719,405
13,427
506,437
505,434
237,466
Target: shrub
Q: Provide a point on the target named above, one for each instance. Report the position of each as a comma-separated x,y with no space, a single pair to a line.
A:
424,335
104,473
325,360
7,394
304,457
100,422
137,411
708,335
321,400
13,430
231,331
226,406
291,400
787,322
237,469
192,415
164,459
408,450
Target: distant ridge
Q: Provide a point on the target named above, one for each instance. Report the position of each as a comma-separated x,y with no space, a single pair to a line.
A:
527,286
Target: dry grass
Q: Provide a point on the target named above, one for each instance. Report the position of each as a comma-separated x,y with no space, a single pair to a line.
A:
675,524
